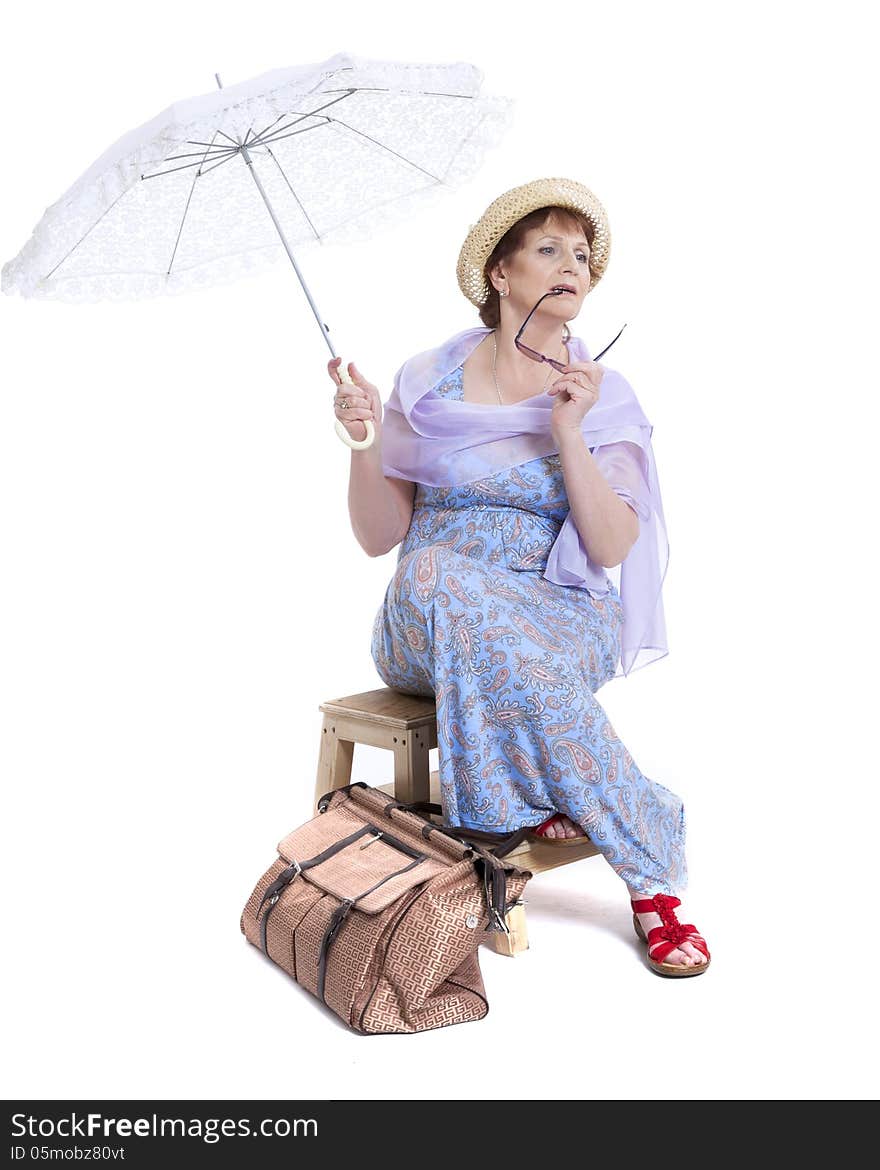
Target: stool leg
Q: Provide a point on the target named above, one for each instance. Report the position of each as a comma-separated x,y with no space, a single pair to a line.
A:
514,943
334,760
412,780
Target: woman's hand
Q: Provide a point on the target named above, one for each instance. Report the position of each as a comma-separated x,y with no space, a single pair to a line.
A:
363,402
577,391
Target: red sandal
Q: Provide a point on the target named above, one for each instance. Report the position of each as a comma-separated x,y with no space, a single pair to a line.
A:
663,939
557,818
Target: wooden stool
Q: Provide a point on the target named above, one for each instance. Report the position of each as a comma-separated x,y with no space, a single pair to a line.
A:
407,726
404,724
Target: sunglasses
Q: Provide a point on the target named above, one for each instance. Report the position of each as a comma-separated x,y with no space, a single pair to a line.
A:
539,357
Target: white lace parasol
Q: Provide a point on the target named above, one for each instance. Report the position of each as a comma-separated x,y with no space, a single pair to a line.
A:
342,149
223,184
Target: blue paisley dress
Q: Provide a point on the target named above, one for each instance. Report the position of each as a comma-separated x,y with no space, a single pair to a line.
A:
514,662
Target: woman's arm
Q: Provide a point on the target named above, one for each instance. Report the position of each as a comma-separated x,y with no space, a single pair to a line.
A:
380,506
607,525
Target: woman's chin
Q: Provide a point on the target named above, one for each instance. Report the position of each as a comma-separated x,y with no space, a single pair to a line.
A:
565,312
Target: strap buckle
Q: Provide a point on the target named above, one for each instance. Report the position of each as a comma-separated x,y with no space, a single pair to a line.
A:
273,891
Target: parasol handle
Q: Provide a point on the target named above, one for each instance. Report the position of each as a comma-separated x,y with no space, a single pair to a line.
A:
341,430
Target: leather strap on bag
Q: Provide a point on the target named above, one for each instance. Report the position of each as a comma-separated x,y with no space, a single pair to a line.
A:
505,842
273,890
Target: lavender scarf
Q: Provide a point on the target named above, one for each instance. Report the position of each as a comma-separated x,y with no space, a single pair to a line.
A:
442,442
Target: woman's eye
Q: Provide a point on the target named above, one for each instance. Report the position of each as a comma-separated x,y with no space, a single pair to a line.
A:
550,247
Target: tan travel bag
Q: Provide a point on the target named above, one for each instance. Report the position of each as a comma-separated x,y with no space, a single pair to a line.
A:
379,912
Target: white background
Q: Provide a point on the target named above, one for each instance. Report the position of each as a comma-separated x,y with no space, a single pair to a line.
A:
181,587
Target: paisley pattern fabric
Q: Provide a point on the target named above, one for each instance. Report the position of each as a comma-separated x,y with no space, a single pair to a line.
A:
514,662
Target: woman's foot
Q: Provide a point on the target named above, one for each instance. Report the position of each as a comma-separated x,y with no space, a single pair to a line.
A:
686,954
561,826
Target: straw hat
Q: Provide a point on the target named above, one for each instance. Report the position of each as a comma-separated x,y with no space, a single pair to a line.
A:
512,206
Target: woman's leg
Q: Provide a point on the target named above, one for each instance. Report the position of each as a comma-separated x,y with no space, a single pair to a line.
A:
644,818
513,662
637,823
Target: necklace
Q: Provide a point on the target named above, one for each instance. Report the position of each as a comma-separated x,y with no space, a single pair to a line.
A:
495,372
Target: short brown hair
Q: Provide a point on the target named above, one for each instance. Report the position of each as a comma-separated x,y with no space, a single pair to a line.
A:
511,242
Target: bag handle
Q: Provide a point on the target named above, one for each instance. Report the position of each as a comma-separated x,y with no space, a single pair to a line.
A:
505,843
502,845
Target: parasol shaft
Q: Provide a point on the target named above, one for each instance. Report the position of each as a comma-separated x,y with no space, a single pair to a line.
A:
247,158
342,374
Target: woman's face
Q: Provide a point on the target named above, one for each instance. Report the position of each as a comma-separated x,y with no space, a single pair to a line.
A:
549,256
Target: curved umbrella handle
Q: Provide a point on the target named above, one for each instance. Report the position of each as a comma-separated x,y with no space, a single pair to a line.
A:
355,444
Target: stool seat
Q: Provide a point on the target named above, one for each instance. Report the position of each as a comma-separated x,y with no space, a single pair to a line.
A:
406,725
386,707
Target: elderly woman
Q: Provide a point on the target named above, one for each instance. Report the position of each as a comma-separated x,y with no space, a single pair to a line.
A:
513,470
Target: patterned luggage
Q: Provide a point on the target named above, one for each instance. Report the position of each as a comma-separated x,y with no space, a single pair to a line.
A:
379,913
